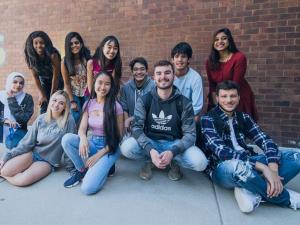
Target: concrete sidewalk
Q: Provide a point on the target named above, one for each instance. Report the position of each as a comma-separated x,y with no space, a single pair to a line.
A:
128,200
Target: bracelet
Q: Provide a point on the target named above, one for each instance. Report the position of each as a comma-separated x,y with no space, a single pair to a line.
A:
73,101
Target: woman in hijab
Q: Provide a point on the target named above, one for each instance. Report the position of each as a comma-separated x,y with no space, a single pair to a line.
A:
16,108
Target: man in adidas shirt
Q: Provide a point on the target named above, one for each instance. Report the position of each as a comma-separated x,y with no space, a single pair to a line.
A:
164,129
235,165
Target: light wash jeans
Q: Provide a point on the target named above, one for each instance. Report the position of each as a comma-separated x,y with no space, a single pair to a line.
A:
80,102
96,176
192,158
237,173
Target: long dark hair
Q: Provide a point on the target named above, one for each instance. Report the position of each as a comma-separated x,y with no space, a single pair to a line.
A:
214,56
84,53
110,122
104,62
31,57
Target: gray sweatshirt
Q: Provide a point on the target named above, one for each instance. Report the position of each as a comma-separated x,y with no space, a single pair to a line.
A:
130,93
43,138
163,121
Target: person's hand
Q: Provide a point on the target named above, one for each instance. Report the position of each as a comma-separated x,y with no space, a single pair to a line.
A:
84,148
127,124
74,106
92,160
274,186
11,123
41,99
155,157
165,158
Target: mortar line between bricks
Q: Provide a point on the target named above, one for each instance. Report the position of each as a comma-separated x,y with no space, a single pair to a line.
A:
218,205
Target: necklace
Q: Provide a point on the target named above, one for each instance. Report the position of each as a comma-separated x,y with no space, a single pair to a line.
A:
227,58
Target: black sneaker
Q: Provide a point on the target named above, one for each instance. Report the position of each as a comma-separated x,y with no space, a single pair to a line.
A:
74,179
112,171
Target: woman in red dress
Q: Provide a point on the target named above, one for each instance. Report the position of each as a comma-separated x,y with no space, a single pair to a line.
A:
226,62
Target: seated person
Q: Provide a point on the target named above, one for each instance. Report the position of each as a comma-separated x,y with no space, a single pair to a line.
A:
16,109
95,149
188,80
235,165
164,129
139,85
40,151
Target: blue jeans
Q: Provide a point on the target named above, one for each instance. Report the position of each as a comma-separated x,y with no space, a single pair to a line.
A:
237,173
80,101
96,176
192,158
13,139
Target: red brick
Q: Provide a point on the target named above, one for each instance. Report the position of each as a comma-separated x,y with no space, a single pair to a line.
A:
266,31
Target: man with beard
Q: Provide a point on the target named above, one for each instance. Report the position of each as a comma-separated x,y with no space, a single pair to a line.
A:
164,129
254,177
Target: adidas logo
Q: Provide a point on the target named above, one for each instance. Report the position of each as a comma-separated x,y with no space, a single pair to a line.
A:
161,118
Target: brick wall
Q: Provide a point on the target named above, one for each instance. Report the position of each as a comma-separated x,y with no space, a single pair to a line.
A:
267,31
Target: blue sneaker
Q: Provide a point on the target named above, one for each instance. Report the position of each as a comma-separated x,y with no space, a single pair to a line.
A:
74,179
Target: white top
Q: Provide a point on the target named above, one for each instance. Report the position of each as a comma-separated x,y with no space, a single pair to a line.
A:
235,144
190,85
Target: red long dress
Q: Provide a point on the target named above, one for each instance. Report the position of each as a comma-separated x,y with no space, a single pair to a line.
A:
234,69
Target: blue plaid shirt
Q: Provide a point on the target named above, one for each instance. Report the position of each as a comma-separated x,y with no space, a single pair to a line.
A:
219,146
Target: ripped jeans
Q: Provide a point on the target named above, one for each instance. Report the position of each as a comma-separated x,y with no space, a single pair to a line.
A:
237,173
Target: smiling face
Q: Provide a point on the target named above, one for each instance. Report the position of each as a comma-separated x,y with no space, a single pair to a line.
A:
139,72
221,42
228,100
102,85
39,45
164,77
180,61
17,84
110,50
57,104
75,45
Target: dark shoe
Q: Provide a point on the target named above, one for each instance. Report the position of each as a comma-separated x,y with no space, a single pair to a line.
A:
112,171
174,173
74,179
146,171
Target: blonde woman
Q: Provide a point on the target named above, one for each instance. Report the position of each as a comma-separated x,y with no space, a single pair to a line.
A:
40,151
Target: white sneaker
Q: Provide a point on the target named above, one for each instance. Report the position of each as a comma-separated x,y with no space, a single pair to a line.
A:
247,201
294,199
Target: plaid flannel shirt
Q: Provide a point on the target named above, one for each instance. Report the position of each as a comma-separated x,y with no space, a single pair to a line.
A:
219,146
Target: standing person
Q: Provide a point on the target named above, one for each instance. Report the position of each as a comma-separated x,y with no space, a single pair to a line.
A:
40,151
138,86
74,72
188,81
106,58
43,60
16,108
235,165
96,147
226,62
164,129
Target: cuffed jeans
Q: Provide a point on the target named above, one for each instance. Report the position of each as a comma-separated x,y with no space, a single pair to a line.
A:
237,173
96,176
192,158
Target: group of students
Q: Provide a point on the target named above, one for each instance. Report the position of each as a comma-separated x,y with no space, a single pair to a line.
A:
154,120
